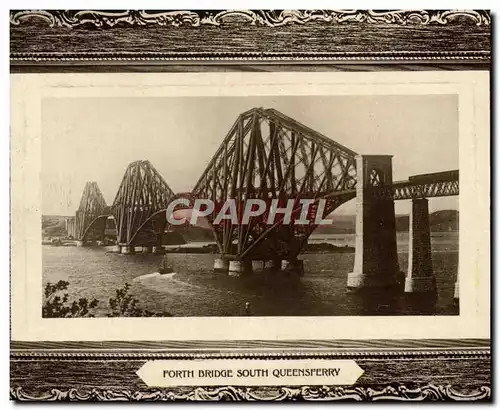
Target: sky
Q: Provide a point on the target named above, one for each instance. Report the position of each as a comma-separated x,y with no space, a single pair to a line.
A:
94,139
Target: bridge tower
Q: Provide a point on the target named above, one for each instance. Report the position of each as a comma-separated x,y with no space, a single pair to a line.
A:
140,207
376,259
90,220
269,156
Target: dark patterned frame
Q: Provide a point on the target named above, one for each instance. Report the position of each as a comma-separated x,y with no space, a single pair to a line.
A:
301,40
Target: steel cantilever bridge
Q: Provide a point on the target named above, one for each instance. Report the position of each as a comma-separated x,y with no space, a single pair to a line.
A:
266,155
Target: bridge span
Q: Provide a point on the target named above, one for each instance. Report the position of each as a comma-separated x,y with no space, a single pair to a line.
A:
267,155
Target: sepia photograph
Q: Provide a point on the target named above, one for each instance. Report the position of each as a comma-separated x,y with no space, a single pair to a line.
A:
199,216
264,206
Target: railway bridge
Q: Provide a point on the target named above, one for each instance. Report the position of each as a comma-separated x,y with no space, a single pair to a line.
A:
269,156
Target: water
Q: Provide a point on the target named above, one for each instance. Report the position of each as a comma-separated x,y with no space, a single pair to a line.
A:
194,290
440,241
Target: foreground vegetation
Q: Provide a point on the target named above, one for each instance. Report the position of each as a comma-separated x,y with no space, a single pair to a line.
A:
57,304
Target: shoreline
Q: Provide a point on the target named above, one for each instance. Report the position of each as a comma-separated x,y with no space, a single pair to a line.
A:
322,247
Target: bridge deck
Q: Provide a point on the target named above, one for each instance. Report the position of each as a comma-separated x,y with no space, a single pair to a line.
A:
434,185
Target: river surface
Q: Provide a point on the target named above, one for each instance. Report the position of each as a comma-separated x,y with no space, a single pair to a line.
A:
195,290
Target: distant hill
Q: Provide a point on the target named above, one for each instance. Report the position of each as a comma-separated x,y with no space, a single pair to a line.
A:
444,221
196,234
342,224
53,225
440,221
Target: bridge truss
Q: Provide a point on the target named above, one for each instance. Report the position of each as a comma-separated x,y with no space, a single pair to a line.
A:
91,214
267,155
139,205
432,185
412,190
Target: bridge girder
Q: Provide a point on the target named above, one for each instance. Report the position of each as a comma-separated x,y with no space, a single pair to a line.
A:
432,185
142,194
413,190
267,155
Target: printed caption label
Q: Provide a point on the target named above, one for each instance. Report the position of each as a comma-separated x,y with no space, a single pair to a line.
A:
239,372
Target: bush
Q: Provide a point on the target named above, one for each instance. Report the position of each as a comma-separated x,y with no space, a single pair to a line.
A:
126,305
57,306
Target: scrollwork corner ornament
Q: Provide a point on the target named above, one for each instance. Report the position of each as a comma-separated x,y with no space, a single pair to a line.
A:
271,18
428,392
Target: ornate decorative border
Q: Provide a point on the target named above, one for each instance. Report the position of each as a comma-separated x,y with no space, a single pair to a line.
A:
476,353
68,389
401,56
270,18
464,37
428,392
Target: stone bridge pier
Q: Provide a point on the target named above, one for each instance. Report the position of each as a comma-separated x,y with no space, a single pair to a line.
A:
376,259
420,277
236,267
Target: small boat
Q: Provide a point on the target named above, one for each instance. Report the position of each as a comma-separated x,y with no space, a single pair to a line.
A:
165,270
164,267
